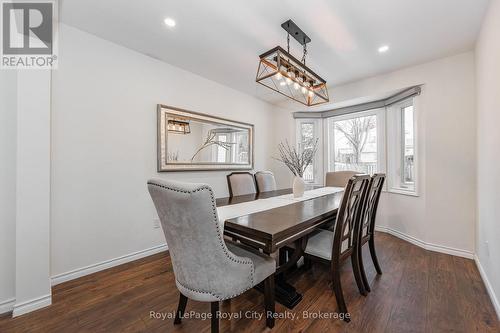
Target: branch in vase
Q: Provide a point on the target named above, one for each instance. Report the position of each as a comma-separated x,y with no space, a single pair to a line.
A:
297,161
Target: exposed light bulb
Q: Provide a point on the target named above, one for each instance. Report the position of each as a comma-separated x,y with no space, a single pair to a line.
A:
279,76
383,49
169,22
282,83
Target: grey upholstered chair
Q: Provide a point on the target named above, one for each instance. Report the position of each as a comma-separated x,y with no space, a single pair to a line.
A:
339,178
265,181
337,246
241,183
207,268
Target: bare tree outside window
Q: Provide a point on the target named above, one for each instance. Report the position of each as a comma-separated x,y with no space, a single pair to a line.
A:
355,146
356,131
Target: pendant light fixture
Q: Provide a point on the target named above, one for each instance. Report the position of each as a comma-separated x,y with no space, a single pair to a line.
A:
178,126
285,74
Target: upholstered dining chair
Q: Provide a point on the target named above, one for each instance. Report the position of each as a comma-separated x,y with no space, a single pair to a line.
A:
265,181
241,183
337,246
207,268
367,228
339,178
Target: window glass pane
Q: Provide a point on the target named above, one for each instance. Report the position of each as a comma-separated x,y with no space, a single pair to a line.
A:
408,174
242,147
355,145
221,152
307,142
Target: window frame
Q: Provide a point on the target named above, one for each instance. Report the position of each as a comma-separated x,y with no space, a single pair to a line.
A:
396,146
317,134
381,136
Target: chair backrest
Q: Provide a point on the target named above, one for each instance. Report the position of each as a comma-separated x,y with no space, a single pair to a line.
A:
241,183
371,205
265,181
339,178
205,270
346,230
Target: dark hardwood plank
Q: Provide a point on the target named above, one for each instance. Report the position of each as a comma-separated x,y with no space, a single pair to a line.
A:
443,305
409,309
120,299
475,304
374,312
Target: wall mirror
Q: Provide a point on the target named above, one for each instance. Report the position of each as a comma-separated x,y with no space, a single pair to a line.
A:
191,141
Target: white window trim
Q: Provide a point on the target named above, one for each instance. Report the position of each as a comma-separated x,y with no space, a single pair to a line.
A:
318,134
394,152
381,141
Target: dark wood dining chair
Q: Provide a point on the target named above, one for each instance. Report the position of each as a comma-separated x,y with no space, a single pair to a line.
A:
367,228
337,246
241,183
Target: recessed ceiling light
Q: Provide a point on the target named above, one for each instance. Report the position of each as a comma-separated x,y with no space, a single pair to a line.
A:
169,22
383,49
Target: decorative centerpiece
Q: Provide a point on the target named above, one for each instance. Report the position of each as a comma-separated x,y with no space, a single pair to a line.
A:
297,162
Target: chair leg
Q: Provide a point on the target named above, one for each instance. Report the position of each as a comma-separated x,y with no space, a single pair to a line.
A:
180,309
357,272
371,243
214,309
339,295
269,300
362,270
307,263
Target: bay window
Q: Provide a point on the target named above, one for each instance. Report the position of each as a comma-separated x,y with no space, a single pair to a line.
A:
378,140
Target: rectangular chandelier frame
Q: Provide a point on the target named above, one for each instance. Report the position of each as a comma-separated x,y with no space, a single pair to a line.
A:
285,74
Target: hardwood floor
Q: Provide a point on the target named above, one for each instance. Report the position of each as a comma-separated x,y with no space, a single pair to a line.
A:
419,291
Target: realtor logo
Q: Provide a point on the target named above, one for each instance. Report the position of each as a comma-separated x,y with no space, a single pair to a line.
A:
29,34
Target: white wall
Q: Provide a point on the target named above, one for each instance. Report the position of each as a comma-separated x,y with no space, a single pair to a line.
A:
444,213
8,100
104,145
488,151
32,191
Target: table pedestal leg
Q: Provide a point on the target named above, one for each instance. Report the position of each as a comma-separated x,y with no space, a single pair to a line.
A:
285,293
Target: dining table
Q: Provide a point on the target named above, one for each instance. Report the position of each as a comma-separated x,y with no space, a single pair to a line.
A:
271,226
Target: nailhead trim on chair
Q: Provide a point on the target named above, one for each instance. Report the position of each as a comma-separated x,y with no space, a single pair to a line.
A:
228,254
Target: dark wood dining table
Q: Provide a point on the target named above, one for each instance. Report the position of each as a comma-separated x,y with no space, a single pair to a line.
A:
273,229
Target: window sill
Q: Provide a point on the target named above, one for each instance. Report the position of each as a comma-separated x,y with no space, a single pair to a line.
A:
403,192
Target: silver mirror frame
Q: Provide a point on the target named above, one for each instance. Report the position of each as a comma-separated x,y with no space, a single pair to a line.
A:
163,166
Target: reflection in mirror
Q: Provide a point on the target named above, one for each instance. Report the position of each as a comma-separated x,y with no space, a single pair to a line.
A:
192,141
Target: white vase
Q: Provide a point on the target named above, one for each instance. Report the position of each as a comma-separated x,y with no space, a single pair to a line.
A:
298,187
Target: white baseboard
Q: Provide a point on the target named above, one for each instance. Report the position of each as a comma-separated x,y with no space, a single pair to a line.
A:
74,274
31,305
425,245
489,287
7,305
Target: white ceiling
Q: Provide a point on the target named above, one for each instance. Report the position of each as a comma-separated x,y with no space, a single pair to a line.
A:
221,39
